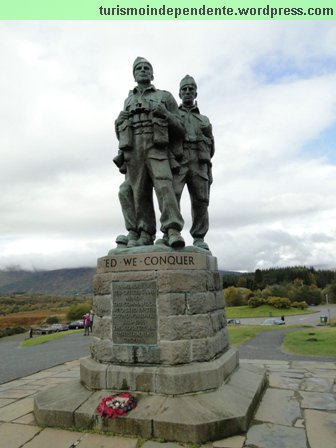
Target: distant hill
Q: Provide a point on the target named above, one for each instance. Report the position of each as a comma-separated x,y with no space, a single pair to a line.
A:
233,273
60,282
13,275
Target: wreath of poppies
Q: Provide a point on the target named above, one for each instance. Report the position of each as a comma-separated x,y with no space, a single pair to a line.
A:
116,405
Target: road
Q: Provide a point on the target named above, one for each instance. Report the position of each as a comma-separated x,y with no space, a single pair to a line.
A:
17,362
267,345
302,319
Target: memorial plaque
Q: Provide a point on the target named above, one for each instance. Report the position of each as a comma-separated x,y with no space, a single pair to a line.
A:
134,315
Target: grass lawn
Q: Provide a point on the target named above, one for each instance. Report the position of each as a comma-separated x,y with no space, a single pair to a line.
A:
233,312
238,334
241,333
316,341
47,338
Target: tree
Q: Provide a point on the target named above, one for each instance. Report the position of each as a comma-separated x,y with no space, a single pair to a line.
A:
237,296
309,294
258,279
241,282
233,297
77,311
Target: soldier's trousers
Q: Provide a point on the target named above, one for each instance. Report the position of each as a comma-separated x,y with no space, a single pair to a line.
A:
148,169
195,176
126,199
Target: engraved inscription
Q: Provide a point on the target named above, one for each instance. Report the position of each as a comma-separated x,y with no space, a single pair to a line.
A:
134,316
153,261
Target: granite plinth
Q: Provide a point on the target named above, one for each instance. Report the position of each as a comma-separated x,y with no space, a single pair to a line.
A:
159,308
194,418
160,333
170,380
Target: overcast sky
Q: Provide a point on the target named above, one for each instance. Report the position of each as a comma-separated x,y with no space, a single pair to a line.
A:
269,89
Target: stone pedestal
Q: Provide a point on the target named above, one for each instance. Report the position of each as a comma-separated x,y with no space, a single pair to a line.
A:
158,315
160,332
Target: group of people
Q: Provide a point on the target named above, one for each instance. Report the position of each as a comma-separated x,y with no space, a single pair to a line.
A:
88,322
162,148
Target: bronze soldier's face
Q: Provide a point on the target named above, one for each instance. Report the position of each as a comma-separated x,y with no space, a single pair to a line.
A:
143,72
188,94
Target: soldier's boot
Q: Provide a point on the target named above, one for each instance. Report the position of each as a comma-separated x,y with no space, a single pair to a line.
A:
145,239
199,242
164,240
123,240
175,239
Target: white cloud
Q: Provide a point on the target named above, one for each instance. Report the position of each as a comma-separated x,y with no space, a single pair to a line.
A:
269,89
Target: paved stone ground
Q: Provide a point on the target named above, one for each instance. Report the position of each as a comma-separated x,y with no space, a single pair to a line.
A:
298,410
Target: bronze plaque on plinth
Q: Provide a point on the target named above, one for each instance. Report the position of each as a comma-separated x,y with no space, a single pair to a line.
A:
134,315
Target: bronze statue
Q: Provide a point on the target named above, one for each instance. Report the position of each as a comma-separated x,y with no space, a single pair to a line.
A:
195,165
150,135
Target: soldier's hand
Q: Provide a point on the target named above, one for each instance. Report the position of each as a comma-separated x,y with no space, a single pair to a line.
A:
160,111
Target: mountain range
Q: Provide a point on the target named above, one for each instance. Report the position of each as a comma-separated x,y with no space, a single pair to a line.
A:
60,282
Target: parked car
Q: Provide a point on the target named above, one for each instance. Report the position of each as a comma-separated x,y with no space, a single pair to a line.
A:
59,327
76,324
273,321
233,321
43,330
54,328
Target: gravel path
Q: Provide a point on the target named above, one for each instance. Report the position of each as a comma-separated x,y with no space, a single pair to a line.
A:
267,345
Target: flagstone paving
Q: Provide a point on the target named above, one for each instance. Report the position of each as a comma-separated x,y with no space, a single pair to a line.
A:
297,410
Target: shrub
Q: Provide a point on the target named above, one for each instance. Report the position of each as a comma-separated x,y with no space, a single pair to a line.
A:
308,294
254,302
279,302
237,296
233,296
52,320
10,331
77,311
266,292
301,305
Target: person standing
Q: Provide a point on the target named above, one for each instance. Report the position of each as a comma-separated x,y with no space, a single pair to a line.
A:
86,321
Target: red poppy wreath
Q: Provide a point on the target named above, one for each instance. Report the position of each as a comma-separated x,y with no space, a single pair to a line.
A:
116,405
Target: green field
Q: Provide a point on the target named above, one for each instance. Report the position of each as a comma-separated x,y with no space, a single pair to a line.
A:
312,342
238,334
37,340
236,312
242,333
